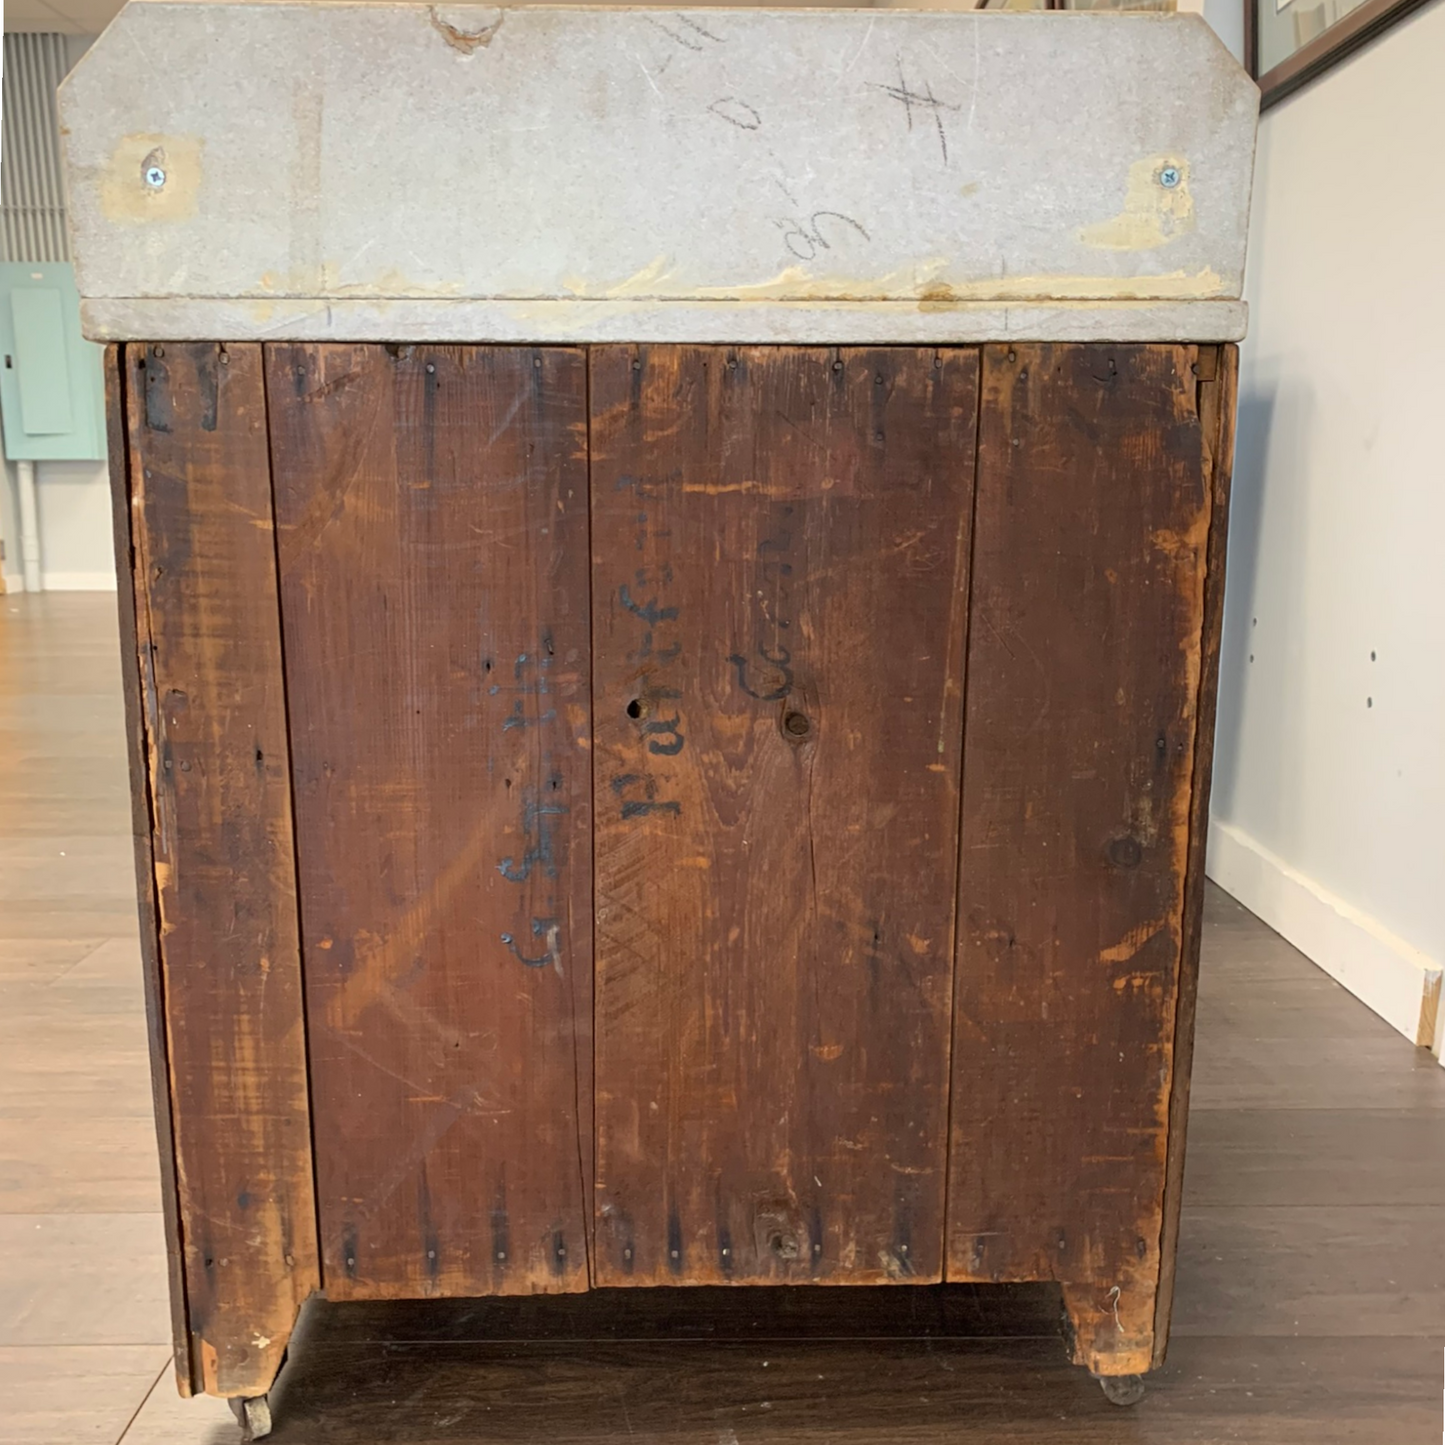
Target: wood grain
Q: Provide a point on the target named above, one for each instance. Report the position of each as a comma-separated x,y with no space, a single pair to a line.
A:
1216,369
780,544
221,837
134,644
1084,667
705,1313
432,505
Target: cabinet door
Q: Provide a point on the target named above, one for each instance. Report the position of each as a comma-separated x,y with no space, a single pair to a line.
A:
780,544
1085,665
431,511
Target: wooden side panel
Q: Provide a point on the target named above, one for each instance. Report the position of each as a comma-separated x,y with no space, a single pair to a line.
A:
225,887
1093,520
135,643
780,548
1217,369
432,504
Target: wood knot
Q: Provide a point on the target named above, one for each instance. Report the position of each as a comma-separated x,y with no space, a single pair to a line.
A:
797,724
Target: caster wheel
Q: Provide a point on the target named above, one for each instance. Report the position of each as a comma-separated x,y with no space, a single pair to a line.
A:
1122,1389
255,1416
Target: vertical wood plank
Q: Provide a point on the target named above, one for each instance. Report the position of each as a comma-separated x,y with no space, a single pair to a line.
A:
219,785
1093,519
1217,372
432,504
780,545
135,644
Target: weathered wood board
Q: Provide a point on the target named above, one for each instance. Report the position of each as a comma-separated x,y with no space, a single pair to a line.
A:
1085,653
432,512
214,723
134,641
900,663
1218,372
780,548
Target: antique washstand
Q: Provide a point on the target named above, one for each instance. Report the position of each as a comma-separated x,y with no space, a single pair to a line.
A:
671,573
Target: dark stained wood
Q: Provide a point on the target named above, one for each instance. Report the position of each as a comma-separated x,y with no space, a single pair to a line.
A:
214,723
133,645
432,505
803,1390
700,1313
780,544
1093,519
1216,372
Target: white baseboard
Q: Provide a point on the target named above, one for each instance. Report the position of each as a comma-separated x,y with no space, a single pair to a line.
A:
78,581
1400,982
13,581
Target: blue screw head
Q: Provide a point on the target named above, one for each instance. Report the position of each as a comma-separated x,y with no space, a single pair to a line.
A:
155,177
1170,177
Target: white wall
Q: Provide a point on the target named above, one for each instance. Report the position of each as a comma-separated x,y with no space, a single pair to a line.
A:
1329,795
73,506
1227,19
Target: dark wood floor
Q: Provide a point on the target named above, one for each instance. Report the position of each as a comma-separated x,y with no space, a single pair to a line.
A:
1311,1299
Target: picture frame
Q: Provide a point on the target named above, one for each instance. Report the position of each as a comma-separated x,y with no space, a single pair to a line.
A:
1283,55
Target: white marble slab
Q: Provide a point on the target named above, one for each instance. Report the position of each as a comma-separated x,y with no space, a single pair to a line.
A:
401,171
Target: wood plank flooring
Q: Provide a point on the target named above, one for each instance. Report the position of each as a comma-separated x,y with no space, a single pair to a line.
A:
1311,1304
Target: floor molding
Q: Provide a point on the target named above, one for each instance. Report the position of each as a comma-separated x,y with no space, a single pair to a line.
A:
1398,981
78,581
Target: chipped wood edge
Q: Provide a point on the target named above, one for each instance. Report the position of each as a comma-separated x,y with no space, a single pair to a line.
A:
1429,1012
1218,387
135,642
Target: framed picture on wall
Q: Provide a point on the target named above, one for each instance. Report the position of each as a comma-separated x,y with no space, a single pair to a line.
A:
1289,42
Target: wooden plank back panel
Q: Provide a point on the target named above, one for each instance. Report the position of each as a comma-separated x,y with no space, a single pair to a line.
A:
135,640
1093,518
1217,368
780,551
221,837
432,505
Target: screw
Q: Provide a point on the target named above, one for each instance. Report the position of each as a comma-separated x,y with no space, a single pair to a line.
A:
155,177
797,725
1170,177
